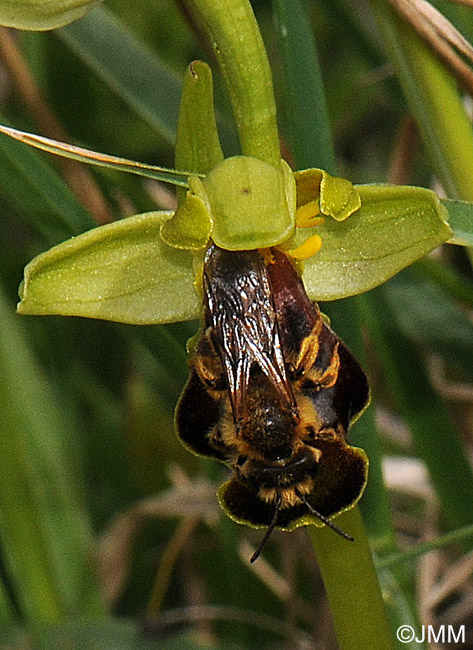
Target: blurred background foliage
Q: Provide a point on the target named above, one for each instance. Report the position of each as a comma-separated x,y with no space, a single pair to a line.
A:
110,533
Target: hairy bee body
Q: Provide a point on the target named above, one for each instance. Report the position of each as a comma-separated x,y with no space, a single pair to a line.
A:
272,394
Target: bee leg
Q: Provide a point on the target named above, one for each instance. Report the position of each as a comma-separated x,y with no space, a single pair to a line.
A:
305,362
308,351
268,532
330,374
323,518
208,365
324,377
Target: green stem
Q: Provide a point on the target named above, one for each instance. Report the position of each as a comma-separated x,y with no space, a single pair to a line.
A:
348,573
240,51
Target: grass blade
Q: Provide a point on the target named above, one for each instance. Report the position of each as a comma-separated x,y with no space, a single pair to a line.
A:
35,188
423,411
46,539
309,125
133,71
101,159
434,101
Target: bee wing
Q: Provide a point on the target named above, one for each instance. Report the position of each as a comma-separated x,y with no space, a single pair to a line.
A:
298,317
243,326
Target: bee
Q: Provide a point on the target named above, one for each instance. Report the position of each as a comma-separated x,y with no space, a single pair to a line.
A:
272,392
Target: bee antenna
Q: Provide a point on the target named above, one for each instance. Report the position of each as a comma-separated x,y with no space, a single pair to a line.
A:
323,518
268,532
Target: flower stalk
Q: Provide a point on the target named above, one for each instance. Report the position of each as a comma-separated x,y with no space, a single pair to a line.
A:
240,52
347,571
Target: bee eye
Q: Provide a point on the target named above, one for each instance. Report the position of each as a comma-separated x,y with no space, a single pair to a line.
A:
241,460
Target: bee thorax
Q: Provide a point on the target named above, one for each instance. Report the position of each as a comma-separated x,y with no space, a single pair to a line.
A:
268,427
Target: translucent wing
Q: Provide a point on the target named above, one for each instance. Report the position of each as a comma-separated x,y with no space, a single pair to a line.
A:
242,322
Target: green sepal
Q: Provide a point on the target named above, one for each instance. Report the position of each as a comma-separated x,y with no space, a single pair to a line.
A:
252,203
125,272
42,14
121,272
395,226
337,197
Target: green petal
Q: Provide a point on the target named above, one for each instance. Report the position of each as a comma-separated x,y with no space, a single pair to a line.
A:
197,144
42,14
122,271
191,225
337,197
395,226
252,203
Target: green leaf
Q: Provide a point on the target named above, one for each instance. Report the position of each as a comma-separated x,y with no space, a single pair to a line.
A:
140,78
42,14
394,227
346,318
45,534
121,271
434,100
7,614
430,320
310,136
399,609
113,634
38,191
413,552
452,282
100,159
426,415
